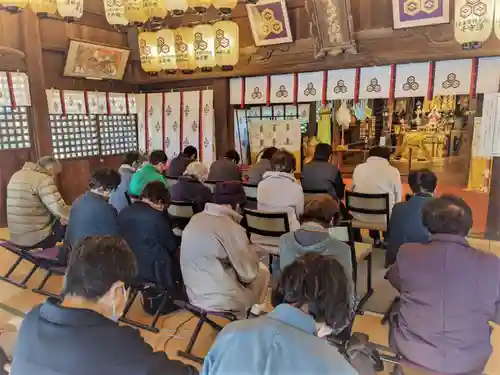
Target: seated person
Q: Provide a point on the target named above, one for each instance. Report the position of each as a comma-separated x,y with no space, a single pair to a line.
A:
179,164
220,268
149,233
449,292
376,176
312,291
91,214
321,212
257,170
406,224
226,169
130,162
190,187
320,174
149,173
81,336
279,191
36,212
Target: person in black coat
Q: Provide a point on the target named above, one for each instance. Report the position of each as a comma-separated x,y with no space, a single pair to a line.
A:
80,336
179,164
148,232
91,214
190,187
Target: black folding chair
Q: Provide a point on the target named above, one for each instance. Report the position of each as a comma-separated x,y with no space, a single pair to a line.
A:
180,212
267,224
203,317
46,259
251,193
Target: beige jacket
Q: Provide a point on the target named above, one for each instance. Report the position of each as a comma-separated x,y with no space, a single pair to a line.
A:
218,262
33,204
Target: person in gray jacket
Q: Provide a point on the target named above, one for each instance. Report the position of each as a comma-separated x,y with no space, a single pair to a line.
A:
257,170
226,169
118,199
321,212
321,174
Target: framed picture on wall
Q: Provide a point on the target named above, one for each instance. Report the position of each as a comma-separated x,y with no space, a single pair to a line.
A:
95,61
412,13
269,22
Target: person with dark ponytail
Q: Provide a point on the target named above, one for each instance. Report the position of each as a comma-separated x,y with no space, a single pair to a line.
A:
312,292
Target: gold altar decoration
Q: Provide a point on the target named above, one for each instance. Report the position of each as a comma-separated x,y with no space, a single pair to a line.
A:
156,9
184,49
148,52
135,11
70,10
225,6
308,148
199,6
479,174
473,21
165,43
14,6
444,103
227,50
43,8
204,47
177,7
115,12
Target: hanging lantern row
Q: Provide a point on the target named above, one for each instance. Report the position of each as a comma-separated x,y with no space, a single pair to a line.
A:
137,12
187,49
70,10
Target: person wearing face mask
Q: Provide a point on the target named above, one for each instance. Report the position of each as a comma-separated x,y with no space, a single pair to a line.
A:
81,335
220,268
312,291
91,214
148,232
153,171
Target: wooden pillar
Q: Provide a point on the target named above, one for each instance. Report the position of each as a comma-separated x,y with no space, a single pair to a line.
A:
224,126
32,46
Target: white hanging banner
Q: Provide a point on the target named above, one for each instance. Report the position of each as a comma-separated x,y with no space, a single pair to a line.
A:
140,101
132,105
235,88
282,88
375,82
208,155
172,124
97,103
473,20
191,119
452,77
310,87
341,84
412,80
5,90
54,102
488,74
74,102
487,129
155,121
117,103
256,90
21,89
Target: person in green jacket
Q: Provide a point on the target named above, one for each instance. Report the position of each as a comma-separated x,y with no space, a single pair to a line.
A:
149,173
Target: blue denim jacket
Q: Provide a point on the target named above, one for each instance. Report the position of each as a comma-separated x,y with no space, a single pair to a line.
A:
283,342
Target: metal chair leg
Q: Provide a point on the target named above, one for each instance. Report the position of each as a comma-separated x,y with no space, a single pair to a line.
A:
369,289
9,272
40,290
28,276
188,354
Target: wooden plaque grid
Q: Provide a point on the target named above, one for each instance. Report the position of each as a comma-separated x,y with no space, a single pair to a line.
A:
118,134
14,128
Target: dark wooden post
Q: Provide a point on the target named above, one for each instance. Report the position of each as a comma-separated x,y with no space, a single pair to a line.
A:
224,125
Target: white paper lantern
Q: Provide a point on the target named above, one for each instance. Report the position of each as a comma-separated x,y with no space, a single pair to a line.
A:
225,6
115,12
156,9
43,8
70,10
227,49
473,22
177,7
135,11
184,49
165,42
14,6
199,6
204,47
